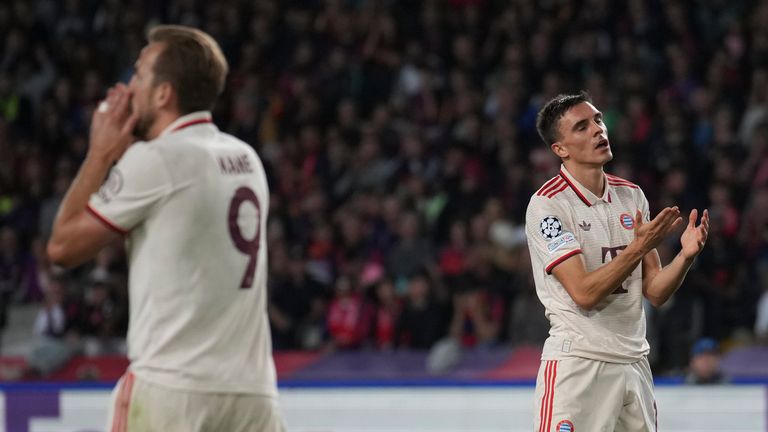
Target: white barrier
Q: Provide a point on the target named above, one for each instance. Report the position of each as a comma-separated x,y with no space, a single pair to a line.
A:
407,409
508,409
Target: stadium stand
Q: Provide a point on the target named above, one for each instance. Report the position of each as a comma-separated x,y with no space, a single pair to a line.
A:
401,150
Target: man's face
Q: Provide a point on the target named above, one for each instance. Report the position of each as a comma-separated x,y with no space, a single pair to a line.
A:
705,365
583,136
143,87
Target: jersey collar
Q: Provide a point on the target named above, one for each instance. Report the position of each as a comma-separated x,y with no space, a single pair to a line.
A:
582,192
191,119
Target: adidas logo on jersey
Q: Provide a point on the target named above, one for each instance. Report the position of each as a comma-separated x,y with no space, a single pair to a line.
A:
585,226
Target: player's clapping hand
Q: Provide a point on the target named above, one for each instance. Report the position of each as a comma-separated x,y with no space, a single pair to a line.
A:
112,125
652,233
694,237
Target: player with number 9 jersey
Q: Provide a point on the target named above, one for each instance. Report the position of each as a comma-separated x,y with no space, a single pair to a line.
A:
193,204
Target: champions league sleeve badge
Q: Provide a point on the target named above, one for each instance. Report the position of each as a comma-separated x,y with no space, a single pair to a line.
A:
551,227
112,185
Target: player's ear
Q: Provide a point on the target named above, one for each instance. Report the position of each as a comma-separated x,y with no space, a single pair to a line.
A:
164,94
558,149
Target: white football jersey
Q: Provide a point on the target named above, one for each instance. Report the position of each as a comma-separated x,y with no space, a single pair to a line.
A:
193,206
564,219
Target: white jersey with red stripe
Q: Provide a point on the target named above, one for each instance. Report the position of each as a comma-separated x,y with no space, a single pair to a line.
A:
193,206
564,219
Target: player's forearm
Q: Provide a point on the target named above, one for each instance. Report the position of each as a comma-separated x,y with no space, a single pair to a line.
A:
593,287
668,280
88,180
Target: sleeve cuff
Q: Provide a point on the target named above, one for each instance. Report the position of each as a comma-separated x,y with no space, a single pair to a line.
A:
556,262
103,219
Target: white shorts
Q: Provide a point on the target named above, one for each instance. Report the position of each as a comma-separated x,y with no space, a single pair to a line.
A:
140,406
582,395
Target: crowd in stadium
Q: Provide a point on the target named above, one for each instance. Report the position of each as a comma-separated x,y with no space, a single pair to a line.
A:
400,144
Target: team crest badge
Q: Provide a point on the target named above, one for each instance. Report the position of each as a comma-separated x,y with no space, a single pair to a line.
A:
112,185
626,221
551,227
565,426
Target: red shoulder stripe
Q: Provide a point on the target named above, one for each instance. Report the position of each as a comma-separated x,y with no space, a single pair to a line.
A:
553,187
547,184
614,178
629,185
562,187
619,181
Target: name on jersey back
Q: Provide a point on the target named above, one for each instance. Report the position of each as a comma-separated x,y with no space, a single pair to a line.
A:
231,165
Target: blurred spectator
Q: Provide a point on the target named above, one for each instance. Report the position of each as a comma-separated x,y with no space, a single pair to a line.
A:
399,137
704,366
313,331
761,323
411,252
11,269
291,293
761,319
102,319
478,307
453,256
36,274
386,316
50,205
422,321
56,340
348,315
527,322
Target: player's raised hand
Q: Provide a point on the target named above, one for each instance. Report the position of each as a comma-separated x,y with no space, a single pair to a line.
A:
694,237
652,233
112,124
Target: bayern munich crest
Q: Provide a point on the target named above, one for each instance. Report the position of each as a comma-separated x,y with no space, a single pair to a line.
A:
551,227
627,221
565,426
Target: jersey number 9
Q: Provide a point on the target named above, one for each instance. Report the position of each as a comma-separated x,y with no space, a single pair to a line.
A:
246,246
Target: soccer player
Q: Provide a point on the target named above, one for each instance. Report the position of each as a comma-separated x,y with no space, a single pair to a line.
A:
592,247
191,204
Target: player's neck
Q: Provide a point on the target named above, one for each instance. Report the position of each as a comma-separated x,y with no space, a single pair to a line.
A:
162,121
592,178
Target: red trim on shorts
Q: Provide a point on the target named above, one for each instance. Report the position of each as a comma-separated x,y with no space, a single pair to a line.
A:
103,219
191,123
122,404
578,192
549,183
544,397
547,401
552,394
557,262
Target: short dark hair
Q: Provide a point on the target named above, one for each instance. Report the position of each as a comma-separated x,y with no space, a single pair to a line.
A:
192,62
553,111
